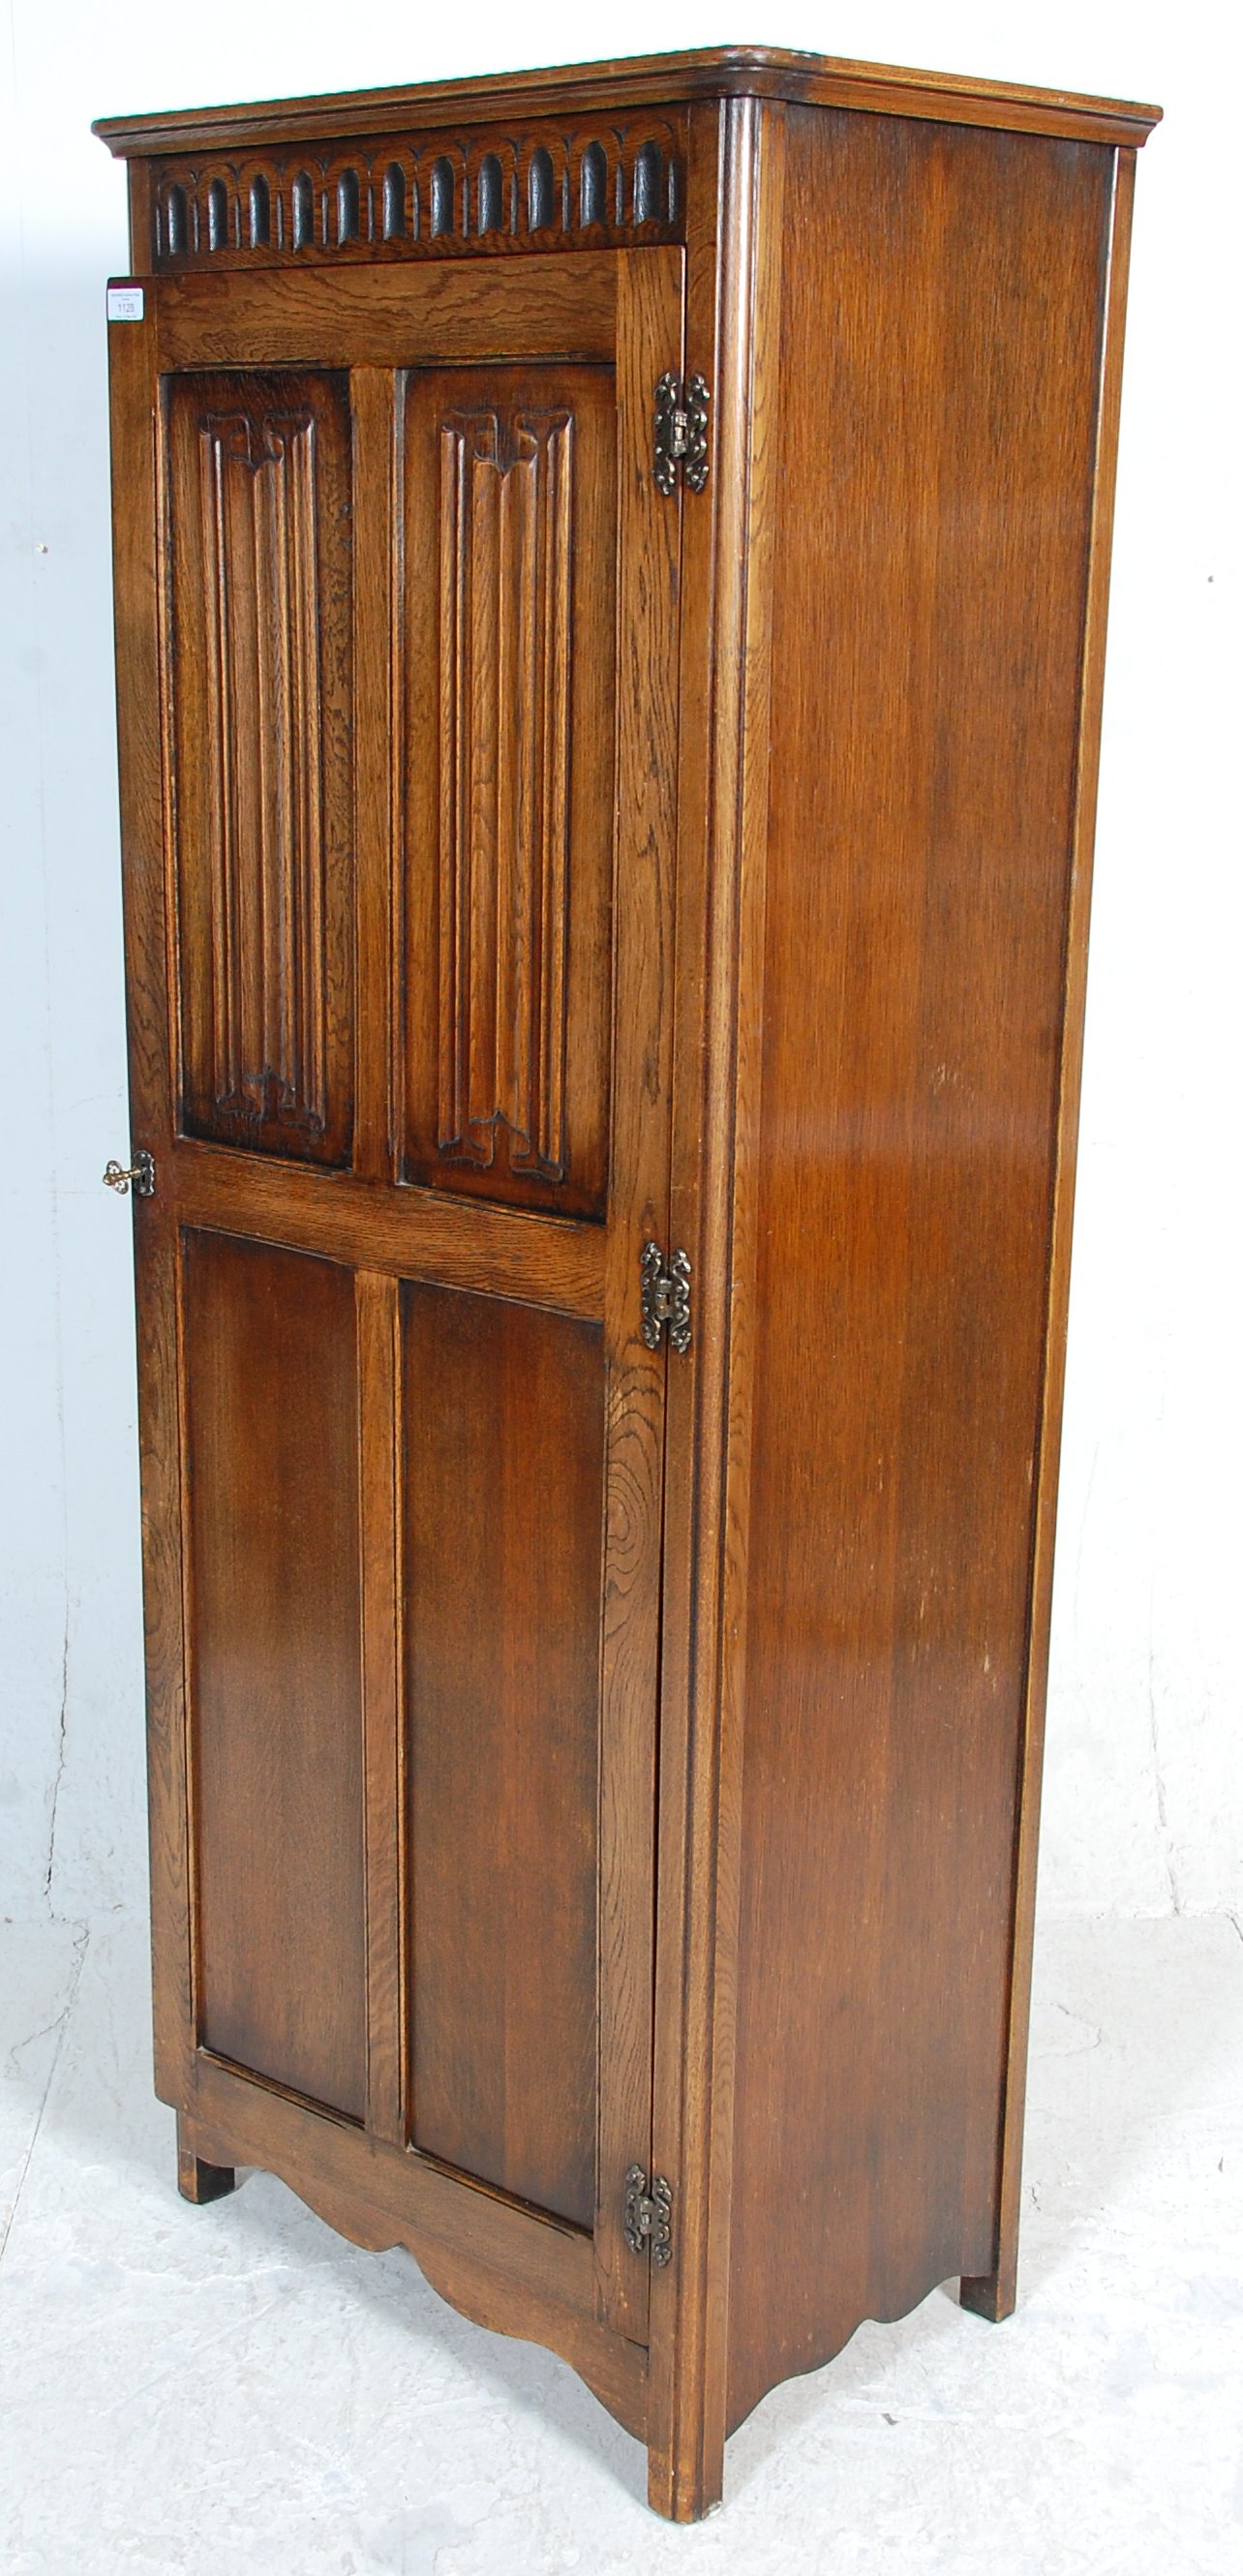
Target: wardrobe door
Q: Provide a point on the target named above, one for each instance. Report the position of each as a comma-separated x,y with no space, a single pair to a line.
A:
399,883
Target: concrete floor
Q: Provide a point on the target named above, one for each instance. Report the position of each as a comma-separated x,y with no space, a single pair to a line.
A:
234,2391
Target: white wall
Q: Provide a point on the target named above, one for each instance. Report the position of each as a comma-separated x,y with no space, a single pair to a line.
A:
1144,1807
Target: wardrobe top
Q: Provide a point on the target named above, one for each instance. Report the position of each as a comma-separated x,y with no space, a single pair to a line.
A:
648,80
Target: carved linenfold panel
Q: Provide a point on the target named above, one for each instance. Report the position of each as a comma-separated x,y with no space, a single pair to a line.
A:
428,195
260,611
259,509
509,796
506,504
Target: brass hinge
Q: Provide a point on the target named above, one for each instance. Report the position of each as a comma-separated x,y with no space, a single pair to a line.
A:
681,432
141,1172
649,2214
665,1298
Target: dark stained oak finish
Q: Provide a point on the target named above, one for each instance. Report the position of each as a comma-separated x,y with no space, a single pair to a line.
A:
198,2181
567,1754
726,682
559,307
504,1482
416,1232
299,573
276,1704
917,892
260,511
437,196
993,2293
509,512
505,2266
713,72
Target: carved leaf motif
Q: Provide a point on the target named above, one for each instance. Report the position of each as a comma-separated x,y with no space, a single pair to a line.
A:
506,518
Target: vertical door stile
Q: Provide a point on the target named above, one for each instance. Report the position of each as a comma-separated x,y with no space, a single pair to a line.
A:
138,558
734,313
372,392
649,334
394,962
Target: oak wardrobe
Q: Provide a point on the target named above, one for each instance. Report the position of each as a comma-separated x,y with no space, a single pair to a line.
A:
610,590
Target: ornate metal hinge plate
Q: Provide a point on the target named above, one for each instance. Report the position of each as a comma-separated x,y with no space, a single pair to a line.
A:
665,1298
681,432
649,2214
141,1172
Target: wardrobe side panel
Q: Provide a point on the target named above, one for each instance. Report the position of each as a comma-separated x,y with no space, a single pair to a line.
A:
942,297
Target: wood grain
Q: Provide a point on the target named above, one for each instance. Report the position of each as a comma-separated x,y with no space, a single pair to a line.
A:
993,2294
261,578
602,1756
276,1682
506,532
131,356
198,2181
443,194
546,1284
713,72
918,883
558,307
510,538
504,1483
734,295
506,2267
378,1319
376,566
419,1234
649,605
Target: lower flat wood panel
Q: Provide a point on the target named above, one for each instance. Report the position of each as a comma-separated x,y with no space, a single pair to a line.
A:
936,459
504,1463
272,1425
